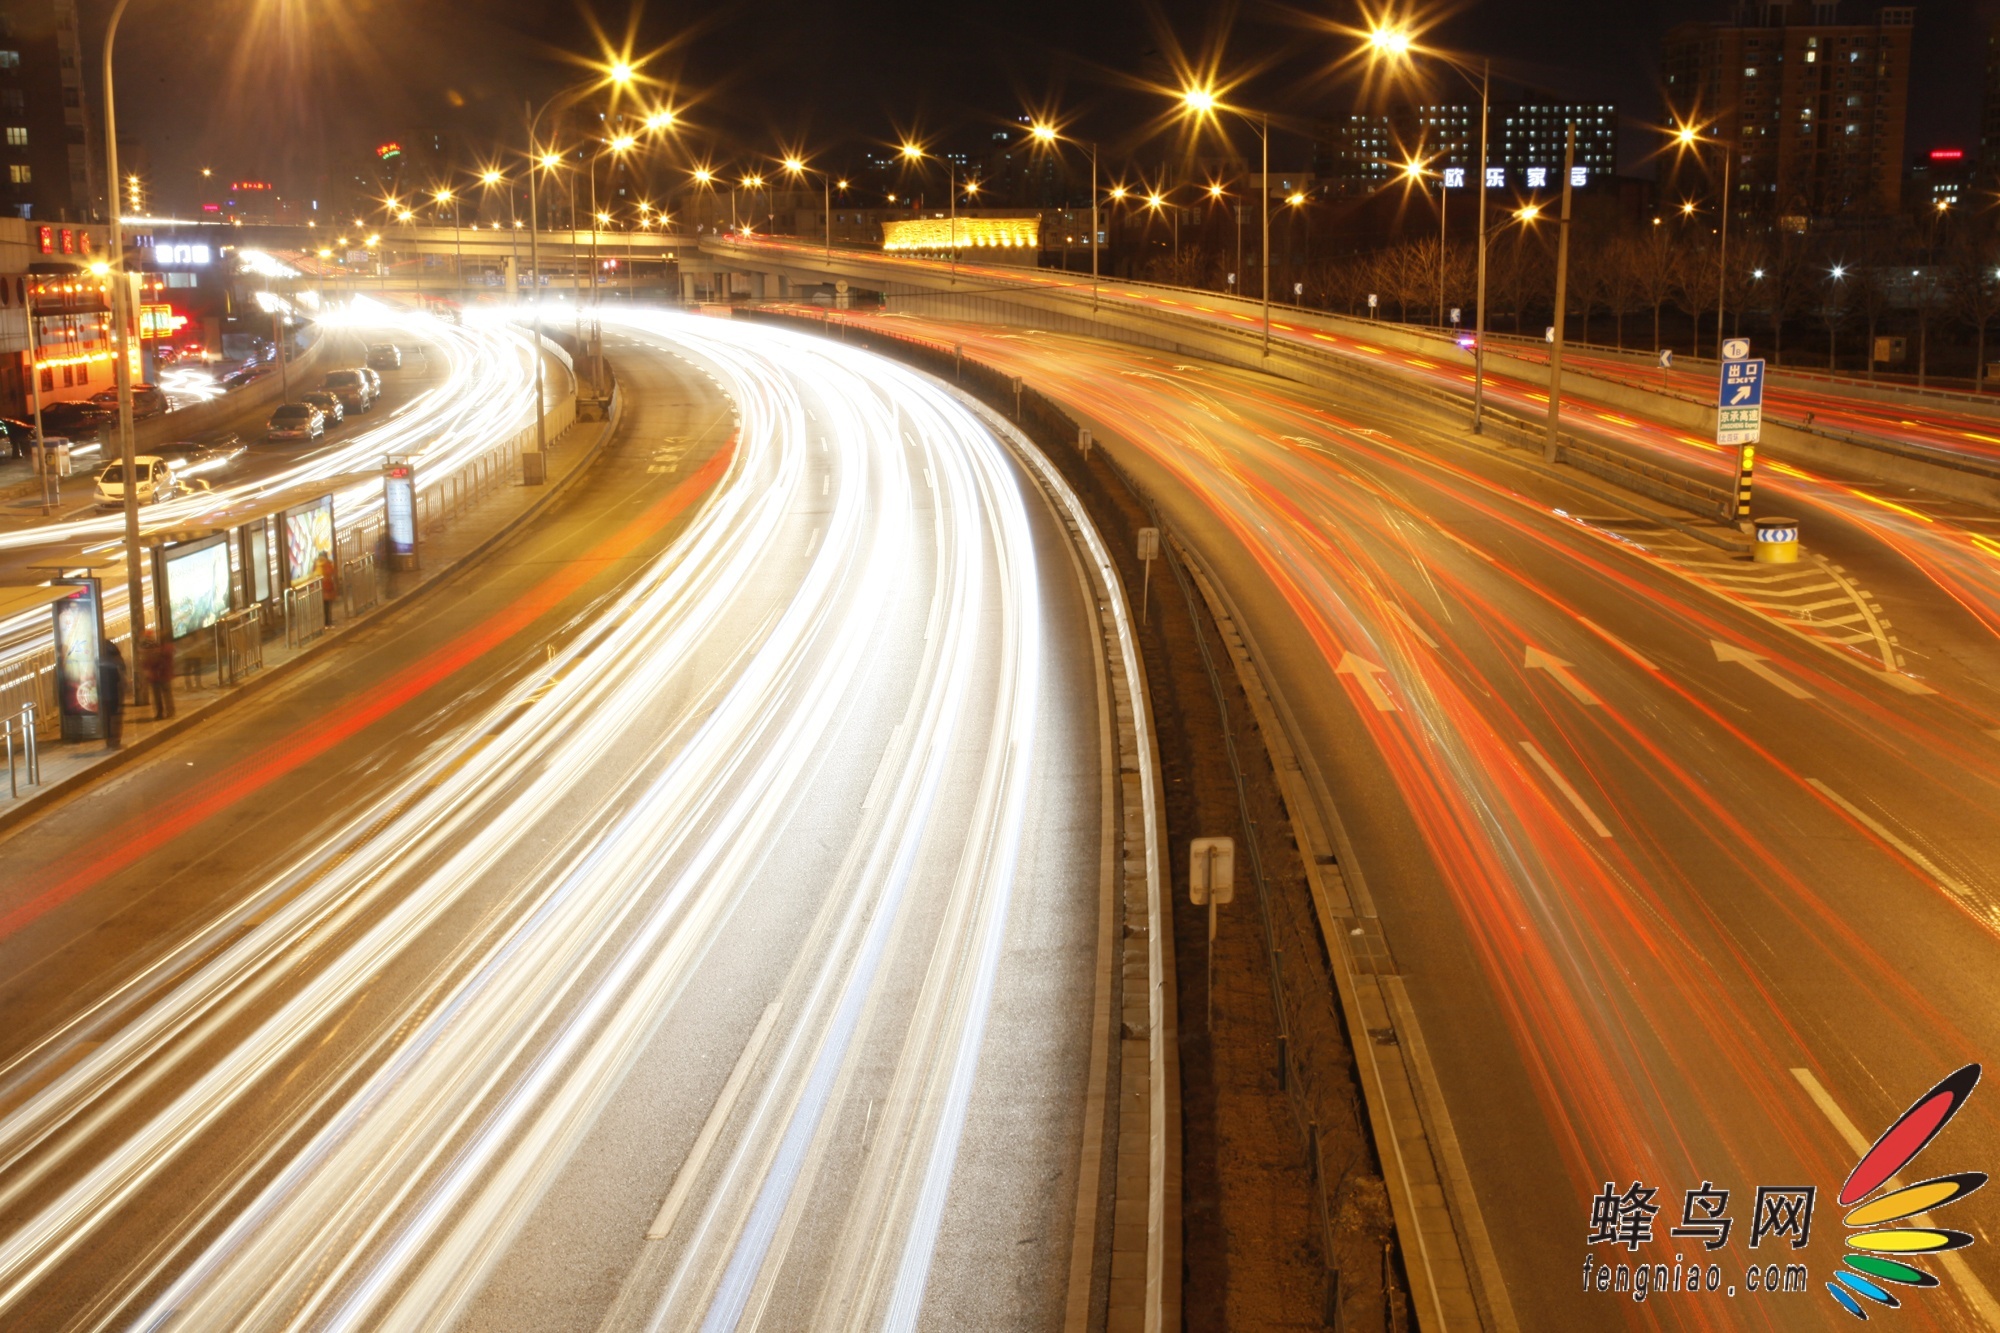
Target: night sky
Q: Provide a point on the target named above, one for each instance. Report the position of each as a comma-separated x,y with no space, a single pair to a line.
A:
273,88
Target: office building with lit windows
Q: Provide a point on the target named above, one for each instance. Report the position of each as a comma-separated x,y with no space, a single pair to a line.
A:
1815,106
1526,141
50,168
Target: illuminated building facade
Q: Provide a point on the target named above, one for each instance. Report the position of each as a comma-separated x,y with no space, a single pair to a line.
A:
1816,107
50,163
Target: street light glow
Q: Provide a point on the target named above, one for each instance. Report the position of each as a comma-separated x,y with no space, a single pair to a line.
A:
1528,212
1390,41
620,73
550,161
1154,200
703,176
1295,198
1215,192
912,152
660,120
1839,271
1043,133
1117,192
1687,208
623,143
1199,100
490,177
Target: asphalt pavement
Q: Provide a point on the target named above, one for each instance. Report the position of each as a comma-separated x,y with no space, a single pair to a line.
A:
1684,862
403,994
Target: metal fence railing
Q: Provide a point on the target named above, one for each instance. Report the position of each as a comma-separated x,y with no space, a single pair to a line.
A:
305,614
17,732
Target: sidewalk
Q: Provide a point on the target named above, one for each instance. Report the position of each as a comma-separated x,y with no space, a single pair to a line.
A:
449,545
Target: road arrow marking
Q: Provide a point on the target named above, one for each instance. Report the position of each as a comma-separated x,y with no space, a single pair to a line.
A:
1366,672
1562,785
1616,642
1537,660
1725,652
1411,621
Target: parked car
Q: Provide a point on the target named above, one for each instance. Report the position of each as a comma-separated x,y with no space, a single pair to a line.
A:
296,421
236,379
77,421
148,400
354,389
328,403
191,459
156,480
374,380
385,356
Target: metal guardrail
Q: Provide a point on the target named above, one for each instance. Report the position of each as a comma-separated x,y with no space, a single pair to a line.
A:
305,614
29,682
19,730
360,590
238,645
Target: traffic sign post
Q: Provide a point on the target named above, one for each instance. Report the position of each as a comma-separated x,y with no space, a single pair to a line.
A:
1739,420
1211,880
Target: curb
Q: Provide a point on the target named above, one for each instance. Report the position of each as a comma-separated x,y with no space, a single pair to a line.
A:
75,784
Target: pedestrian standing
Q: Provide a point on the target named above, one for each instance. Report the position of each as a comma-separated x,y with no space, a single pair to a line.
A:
329,587
159,667
111,693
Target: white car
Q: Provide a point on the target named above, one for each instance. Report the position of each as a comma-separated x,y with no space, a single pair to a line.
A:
156,481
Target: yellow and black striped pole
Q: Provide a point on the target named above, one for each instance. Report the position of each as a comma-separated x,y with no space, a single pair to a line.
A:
1746,466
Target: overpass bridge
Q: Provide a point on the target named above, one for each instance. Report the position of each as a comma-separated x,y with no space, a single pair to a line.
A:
408,255
1943,442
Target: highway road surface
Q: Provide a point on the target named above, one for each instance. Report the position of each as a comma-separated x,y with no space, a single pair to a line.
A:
686,921
1682,886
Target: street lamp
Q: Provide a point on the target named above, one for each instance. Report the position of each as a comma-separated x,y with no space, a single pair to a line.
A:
449,196
915,153
1045,134
1688,137
120,300
1396,45
1200,101
796,166
618,75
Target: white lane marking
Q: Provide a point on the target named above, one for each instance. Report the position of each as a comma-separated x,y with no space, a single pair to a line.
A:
1366,671
825,482
1537,660
1616,642
885,769
1562,785
1882,831
1729,652
1411,621
1976,1295
712,1128
812,545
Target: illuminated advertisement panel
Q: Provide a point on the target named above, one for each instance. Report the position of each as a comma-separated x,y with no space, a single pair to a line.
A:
193,582
308,536
399,510
79,626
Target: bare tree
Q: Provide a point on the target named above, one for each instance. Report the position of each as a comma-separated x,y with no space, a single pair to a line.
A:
1697,287
1869,279
1620,270
1975,292
1790,276
1656,272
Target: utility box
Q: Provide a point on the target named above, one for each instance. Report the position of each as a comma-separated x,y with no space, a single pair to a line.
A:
1891,351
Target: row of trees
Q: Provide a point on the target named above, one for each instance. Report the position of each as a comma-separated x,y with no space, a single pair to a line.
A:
1637,287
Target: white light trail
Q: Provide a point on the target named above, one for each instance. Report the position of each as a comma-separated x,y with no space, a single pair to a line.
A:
621,850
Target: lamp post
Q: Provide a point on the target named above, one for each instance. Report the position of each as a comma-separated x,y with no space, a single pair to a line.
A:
915,153
796,166
120,299
1414,170
1562,302
618,75
450,196
1690,137
1396,45
1204,105
1046,134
